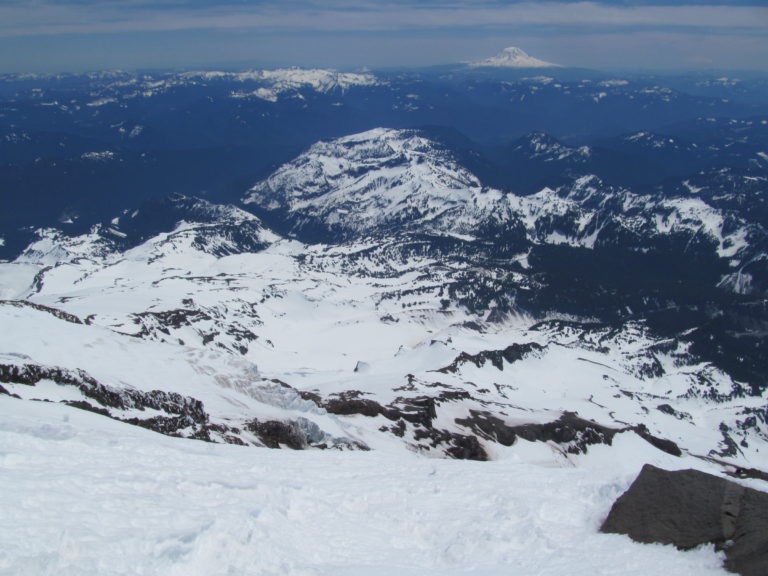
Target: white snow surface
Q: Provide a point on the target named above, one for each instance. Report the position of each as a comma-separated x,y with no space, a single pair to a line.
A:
257,335
169,316
83,496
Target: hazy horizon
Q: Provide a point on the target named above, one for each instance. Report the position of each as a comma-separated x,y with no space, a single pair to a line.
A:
88,35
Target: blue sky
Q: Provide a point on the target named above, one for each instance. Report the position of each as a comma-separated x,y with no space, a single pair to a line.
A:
76,35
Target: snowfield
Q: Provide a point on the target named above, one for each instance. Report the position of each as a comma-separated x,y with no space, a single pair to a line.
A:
279,333
83,495
427,422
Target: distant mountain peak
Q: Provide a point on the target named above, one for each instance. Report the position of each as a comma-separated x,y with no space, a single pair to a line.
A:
513,57
270,85
379,179
546,147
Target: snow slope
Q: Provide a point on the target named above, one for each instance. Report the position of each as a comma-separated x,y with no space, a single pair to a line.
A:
352,344
393,358
84,496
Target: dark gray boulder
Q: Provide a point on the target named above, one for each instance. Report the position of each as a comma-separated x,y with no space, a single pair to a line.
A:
688,508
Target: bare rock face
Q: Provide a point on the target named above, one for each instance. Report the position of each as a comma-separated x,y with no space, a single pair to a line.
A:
689,508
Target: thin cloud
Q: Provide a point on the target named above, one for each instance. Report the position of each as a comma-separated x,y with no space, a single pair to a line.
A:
83,17
48,35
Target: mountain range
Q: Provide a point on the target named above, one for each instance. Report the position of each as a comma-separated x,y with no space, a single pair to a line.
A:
338,262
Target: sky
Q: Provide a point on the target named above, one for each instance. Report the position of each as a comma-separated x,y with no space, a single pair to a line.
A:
83,35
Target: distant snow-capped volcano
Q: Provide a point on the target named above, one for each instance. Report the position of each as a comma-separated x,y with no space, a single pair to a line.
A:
513,57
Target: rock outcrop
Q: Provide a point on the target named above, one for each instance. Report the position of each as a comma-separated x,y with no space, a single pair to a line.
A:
689,508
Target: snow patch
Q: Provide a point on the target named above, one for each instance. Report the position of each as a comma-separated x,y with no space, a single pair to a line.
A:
691,188
101,102
613,83
103,156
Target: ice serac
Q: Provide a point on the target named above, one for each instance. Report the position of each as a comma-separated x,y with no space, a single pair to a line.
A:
513,57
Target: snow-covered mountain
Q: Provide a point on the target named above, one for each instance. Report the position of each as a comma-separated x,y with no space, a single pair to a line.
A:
544,147
374,296
351,352
79,149
513,57
381,179
388,181
409,326
266,84
271,84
